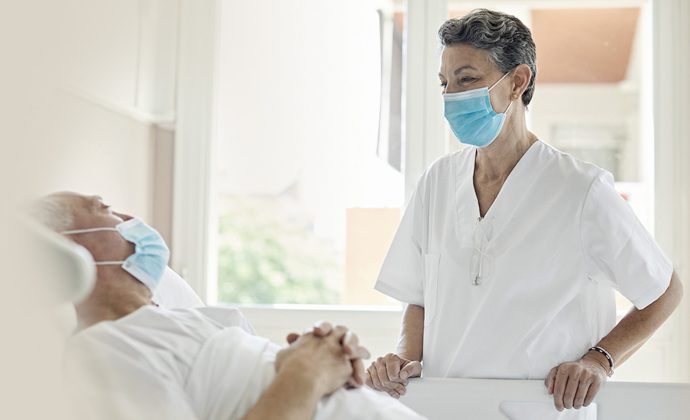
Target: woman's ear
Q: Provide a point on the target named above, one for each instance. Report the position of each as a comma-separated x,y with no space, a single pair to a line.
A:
521,77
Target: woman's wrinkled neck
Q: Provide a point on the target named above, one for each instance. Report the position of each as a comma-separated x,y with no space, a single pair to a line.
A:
496,161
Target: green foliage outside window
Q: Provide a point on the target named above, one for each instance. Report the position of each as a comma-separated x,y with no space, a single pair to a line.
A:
265,257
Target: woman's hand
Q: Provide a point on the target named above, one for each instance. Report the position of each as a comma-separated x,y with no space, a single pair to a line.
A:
575,384
349,344
390,373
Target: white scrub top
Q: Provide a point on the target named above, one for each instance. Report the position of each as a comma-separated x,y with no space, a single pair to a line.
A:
531,284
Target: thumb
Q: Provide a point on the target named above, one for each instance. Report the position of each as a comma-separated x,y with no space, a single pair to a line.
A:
292,337
411,370
549,381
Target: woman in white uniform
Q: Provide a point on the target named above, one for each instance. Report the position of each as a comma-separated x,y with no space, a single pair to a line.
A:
509,252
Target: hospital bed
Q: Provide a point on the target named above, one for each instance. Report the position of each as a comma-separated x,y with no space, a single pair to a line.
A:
489,399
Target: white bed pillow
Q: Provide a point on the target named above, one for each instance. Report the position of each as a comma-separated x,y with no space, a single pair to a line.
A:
174,292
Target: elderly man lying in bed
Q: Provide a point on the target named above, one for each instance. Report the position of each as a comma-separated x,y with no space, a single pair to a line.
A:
132,359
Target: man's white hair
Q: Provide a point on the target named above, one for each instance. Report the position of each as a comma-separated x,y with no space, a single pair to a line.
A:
53,212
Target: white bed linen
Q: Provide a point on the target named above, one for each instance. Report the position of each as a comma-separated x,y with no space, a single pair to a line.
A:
174,292
202,363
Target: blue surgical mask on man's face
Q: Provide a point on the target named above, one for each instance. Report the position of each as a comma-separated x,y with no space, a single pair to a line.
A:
151,254
471,116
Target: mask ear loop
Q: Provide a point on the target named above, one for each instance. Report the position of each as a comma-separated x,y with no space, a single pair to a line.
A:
89,230
508,107
497,82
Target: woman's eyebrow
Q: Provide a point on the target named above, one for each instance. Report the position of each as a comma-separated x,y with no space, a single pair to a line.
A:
459,69
465,67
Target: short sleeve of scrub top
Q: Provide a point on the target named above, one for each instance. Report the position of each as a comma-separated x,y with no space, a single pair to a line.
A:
402,269
617,246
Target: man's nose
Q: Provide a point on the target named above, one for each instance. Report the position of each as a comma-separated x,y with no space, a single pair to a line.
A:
123,216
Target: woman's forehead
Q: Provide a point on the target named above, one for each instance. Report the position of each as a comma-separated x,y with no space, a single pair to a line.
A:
463,56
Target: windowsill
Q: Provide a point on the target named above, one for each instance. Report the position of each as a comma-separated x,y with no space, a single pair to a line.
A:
340,308
315,308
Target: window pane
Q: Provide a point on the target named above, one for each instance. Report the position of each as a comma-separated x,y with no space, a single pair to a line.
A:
308,149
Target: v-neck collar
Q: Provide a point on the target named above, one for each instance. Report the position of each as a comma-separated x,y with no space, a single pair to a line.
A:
467,203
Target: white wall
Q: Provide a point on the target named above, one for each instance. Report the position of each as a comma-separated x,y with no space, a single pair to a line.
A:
123,53
93,150
31,361
115,106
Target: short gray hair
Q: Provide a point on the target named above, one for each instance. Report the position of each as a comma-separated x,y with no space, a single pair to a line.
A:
508,41
53,212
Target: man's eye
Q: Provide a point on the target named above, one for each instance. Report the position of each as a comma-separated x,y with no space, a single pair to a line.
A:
467,80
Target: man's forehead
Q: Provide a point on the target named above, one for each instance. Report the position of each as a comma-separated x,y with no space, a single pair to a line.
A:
80,202
94,200
91,204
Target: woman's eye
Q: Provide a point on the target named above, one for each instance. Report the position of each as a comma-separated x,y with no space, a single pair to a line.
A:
467,80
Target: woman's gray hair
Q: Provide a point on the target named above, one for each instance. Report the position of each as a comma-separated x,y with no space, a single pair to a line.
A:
508,41
53,212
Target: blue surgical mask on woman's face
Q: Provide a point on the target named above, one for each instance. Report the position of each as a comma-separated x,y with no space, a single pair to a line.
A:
471,116
151,254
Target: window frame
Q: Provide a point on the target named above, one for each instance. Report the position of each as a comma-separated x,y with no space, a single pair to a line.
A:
194,255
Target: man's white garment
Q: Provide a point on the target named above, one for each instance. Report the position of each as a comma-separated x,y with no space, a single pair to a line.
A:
545,259
202,363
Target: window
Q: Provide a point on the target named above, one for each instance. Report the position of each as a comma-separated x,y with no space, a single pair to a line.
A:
309,187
